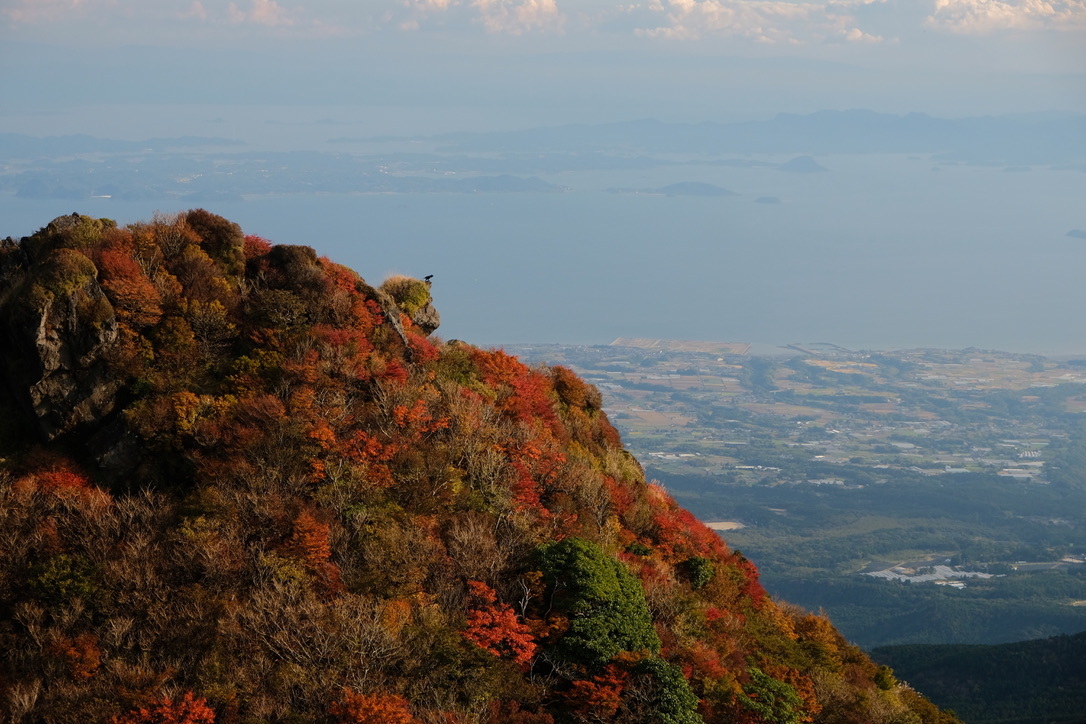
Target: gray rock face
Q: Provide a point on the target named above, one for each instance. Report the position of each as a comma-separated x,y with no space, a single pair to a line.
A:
427,318
58,335
66,352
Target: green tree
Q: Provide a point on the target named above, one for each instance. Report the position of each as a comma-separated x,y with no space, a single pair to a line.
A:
605,604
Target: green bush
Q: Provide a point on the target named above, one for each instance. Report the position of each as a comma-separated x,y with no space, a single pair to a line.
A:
64,577
410,294
604,602
698,571
771,699
670,699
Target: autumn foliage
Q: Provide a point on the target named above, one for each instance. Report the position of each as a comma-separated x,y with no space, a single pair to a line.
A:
494,627
377,708
188,709
243,485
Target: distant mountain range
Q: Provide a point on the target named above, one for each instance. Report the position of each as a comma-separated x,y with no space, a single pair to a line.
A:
1042,138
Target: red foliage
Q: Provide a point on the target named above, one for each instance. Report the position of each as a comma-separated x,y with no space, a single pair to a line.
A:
256,246
362,447
376,708
525,394
62,479
752,588
423,349
601,695
677,532
186,710
620,494
494,627
338,276
699,660
345,343
395,373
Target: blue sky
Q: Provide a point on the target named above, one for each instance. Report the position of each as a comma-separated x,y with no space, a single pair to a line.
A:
515,62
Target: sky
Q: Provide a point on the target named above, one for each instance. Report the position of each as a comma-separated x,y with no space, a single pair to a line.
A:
432,65
292,75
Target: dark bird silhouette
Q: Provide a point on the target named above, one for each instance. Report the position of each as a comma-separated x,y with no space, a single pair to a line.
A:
428,277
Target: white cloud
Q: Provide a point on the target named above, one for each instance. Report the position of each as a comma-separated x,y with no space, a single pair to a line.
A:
261,12
980,17
517,17
855,35
763,21
508,17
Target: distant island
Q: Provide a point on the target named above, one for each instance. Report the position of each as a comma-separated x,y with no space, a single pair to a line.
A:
802,164
1077,233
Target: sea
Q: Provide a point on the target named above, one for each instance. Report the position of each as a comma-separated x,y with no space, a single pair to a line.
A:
876,252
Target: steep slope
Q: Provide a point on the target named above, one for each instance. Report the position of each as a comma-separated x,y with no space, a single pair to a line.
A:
239,484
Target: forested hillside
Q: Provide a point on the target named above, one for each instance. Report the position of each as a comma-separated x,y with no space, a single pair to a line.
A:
1019,683
239,484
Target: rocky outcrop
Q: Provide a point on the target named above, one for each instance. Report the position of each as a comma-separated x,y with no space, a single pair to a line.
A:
59,328
427,318
412,297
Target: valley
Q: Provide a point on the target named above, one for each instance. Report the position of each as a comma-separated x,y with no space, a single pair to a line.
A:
952,479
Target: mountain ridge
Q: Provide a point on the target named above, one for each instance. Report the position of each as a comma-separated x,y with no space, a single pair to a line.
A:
241,484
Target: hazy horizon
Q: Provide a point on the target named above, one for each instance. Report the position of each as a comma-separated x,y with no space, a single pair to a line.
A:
875,252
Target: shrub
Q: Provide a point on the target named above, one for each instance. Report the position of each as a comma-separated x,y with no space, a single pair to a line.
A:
371,709
186,710
410,294
605,603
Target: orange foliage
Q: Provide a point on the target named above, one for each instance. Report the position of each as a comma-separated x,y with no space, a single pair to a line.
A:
134,297
699,660
620,495
186,710
803,685
256,246
81,655
494,627
677,532
601,695
526,395
371,709
311,541
363,447
417,419
62,479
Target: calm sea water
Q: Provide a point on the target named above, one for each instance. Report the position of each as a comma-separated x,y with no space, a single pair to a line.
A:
878,252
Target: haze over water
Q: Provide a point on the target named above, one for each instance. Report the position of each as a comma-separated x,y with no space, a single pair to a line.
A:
878,252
